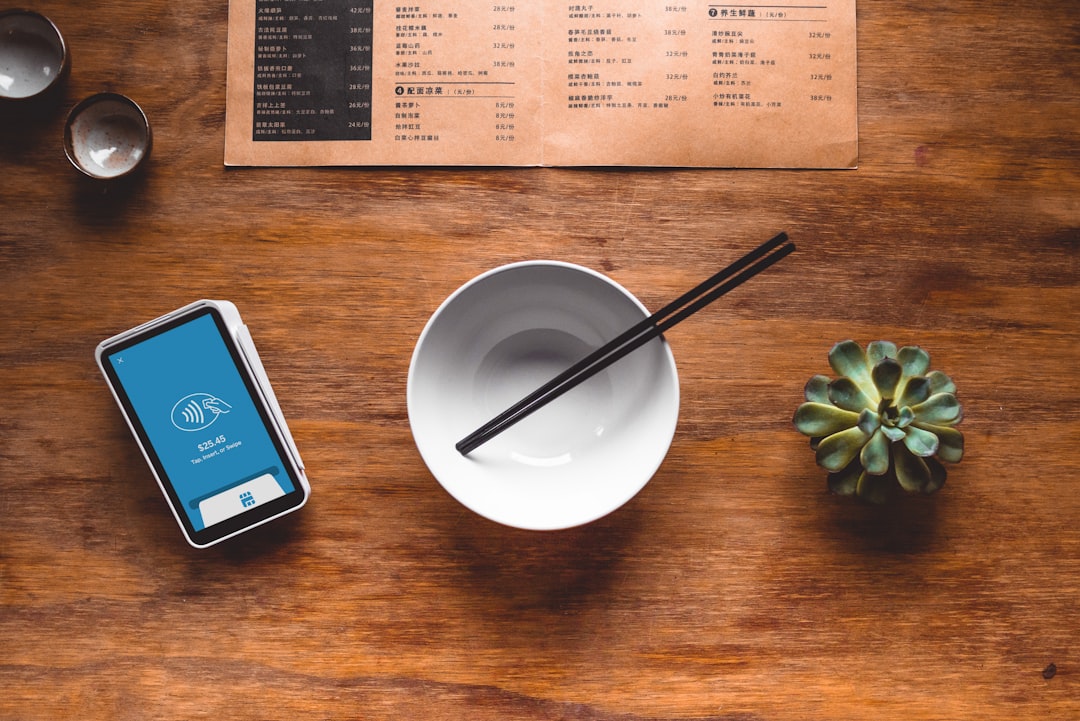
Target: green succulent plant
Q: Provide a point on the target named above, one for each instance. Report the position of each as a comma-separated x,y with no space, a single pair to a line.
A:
888,419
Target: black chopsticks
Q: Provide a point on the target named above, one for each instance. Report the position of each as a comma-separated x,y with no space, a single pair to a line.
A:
731,277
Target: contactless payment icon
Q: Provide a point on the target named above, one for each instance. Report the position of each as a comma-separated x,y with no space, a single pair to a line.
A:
197,411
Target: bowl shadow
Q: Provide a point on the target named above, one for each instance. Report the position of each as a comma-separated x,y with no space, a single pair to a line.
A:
545,570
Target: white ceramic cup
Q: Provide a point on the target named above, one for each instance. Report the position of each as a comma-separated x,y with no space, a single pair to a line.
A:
107,136
33,55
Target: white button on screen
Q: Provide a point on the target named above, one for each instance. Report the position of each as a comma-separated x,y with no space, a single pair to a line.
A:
238,499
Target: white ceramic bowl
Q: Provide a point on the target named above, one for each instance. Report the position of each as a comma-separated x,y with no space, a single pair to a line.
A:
499,337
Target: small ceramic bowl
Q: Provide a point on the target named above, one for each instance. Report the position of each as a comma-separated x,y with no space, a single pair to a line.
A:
499,337
33,55
107,136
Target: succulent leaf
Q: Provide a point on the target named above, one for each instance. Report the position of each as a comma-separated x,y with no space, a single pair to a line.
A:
844,482
874,489
938,408
878,350
893,433
912,472
937,475
874,456
836,451
915,391
939,383
844,393
848,359
886,375
920,442
817,389
819,419
950,441
868,421
905,417
915,360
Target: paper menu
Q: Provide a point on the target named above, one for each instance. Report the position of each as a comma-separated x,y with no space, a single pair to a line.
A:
505,82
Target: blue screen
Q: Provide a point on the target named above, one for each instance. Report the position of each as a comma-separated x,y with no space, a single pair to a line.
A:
207,432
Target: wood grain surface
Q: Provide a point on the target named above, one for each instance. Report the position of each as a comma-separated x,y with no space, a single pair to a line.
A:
734,586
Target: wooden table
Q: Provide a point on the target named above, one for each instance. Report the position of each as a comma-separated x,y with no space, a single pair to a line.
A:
734,586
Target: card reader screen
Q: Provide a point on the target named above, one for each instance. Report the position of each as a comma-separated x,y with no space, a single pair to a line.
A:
196,410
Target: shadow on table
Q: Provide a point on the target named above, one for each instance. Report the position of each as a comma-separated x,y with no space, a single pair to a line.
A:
907,524
27,129
546,569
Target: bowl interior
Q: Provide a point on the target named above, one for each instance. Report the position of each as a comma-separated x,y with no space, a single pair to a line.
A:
501,336
32,54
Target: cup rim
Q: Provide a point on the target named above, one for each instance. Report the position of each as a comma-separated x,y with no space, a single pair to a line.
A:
65,55
69,143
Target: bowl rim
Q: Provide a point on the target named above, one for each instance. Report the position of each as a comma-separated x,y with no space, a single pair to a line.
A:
630,489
